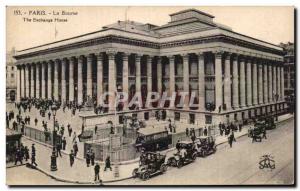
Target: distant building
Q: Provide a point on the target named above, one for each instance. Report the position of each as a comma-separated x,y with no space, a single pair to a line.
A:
289,69
11,85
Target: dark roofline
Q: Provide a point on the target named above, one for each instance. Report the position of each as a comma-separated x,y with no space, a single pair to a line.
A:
195,10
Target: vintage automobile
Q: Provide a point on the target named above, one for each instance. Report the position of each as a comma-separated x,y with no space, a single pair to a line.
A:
151,140
257,132
205,145
187,153
269,123
150,164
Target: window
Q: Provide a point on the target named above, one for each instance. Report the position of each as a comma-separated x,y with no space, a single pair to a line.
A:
208,119
12,75
192,118
177,116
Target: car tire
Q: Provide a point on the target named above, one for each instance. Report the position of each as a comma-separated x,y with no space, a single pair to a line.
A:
146,176
134,173
163,168
179,164
194,156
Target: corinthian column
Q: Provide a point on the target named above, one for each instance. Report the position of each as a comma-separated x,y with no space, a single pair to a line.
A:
125,78
218,80
149,76
260,84
18,84
274,83
172,74
282,83
31,81
27,80
270,83
249,83
242,83
55,93
42,83
99,77
71,79
111,79
235,83
254,87
138,74
89,76
265,83
49,83
186,78
79,81
37,81
201,81
63,80
159,75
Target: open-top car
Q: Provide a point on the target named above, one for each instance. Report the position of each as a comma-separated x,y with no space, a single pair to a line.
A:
205,145
269,123
257,132
150,164
187,153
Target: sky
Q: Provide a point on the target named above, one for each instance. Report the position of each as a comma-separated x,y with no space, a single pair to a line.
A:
271,24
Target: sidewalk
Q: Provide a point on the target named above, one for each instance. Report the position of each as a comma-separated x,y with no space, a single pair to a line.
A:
82,174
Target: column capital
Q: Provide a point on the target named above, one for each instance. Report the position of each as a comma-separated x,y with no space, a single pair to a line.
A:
228,55
218,53
200,54
138,57
171,57
149,58
111,54
185,56
57,61
90,57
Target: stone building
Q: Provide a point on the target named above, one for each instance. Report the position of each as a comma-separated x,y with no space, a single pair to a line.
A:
289,69
235,76
11,80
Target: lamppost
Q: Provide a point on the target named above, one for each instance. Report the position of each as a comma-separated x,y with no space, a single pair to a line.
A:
276,96
53,156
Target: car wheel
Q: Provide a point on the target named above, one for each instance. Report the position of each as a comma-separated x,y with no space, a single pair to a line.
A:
179,164
194,156
134,173
146,176
163,168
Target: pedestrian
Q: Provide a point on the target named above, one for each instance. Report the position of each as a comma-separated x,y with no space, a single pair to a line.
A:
92,158
264,133
58,148
33,148
70,130
97,171
82,128
18,157
75,147
88,158
26,153
49,115
74,137
107,163
240,127
35,121
96,129
33,159
187,132
205,131
231,139
64,143
72,157
178,145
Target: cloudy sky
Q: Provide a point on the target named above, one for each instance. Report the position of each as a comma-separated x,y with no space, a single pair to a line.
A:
271,24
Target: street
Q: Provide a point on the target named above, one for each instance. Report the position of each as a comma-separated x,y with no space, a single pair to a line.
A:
238,165
229,166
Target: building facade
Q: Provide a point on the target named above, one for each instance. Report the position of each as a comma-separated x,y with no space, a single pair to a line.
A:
289,69
11,80
234,76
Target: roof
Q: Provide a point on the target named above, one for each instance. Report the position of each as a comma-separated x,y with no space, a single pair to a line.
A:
192,10
10,132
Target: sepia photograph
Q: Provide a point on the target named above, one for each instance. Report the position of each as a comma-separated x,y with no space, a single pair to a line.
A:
150,96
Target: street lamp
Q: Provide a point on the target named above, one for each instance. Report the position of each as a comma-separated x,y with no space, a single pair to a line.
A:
276,100
53,156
